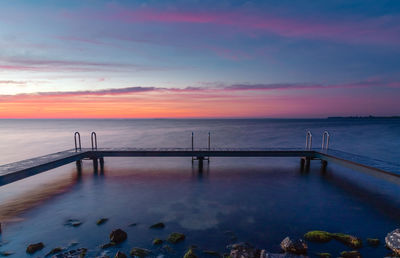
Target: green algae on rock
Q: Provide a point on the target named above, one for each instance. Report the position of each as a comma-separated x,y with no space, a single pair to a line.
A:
4,254
101,221
349,240
190,254
324,255
140,252
55,250
157,241
120,254
158,225
373,242
118,236
175,237
211,253
318,236
350,254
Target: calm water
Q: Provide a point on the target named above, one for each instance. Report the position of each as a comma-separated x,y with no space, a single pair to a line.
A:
260,200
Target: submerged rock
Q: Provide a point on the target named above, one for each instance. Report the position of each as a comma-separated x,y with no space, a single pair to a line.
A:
108,245
324,255
349,240
101,221
33,248
212,253
132,225
175,237
120,254
118,236
166,249
318,236
373,242
73,223
157,241
190,254
393,241
140,252
78,253
55,251
158,225
4,254
350,254
243,250
294,247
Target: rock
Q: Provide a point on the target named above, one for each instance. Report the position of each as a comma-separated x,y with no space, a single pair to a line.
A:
324,255
132,225
212,253
350,254
318,236
0,228
73,223
101,221
33,248
140,252
78,253
158,225
393,241
265,254
157,241
294,247
175,237
349,240
120,254
373,242
166,249
4,254
108,245
190,254
243,250
55,250
118,236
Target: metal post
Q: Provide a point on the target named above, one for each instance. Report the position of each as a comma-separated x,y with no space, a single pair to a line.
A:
192,145
325,140
308,140
209,145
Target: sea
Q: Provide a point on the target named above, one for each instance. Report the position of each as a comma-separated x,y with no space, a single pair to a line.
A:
259,201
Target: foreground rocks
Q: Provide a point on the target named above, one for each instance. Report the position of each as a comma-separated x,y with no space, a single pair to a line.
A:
323,237
175,237
118,236
392,241
78,253
120,254
33,248
245,250
140,252
294,247
158,225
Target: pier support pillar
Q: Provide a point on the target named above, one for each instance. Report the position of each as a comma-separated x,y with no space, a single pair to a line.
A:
201,161
79,166
95,165
305,164
101,160
324,164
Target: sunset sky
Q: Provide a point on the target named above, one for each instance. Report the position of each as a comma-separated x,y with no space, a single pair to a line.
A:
192,58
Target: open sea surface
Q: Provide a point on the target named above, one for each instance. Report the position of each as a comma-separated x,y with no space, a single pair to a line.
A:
254,200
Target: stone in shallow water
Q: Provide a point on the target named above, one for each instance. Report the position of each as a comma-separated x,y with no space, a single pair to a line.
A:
4,254
350,254
120,254
175,237
140,252
393,241
157,241
118,236
158,225
55,250
101,221
73,223
78,253
33,248
294,247
349,240
374,242
190,254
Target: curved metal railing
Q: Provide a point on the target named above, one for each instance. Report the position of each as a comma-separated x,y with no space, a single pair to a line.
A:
78,145
93,139
308,140
325,140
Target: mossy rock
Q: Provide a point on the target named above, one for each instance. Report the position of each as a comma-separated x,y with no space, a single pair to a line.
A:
4,254
157,241
350,254
120,254
132,225
108,245
373,242
158,225
118,236
73,223
175,237
55,250
318,236
190,254
349,240
324,255
101,221
33,248
140,252
211,253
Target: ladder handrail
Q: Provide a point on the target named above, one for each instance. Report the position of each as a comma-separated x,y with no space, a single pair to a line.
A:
93,135
308,140
79,141
325,140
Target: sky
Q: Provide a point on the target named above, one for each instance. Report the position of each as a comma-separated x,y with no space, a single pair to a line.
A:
199,59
